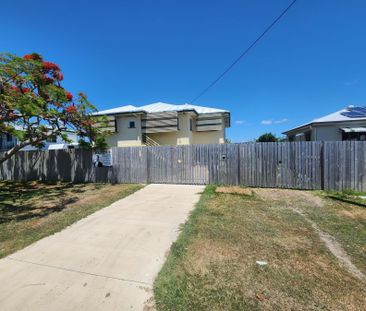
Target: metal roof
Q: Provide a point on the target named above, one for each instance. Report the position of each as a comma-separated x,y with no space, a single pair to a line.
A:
161,107
332,117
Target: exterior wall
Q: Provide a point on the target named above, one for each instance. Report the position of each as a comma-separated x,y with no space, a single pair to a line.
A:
328,132
209,137
187,137
181,137
126,136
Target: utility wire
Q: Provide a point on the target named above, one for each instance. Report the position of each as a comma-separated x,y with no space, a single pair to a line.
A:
244,53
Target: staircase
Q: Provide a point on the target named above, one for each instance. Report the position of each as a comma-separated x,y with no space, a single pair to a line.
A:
148,141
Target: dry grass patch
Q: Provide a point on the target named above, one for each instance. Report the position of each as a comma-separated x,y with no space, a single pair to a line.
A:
30,211
359,214
234,190
213,266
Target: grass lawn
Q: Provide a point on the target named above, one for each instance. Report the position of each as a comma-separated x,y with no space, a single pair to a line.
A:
212,266
30,211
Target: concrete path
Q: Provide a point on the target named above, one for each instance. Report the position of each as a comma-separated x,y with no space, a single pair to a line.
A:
107,261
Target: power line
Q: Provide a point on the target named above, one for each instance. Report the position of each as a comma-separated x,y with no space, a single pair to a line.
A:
244,53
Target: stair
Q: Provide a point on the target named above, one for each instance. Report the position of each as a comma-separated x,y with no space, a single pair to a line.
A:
148,141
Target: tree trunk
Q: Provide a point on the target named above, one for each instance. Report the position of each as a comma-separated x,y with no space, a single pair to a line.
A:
8,154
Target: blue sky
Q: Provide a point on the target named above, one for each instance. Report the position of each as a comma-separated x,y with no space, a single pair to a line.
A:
138,52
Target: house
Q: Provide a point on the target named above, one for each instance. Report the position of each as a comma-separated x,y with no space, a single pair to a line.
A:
56,143
345,124
165,124
7,141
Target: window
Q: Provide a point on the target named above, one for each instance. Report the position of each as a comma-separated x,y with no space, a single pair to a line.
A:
308,136
131,125
354,136
9,137
190,124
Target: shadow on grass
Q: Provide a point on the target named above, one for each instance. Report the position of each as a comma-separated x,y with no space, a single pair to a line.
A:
18,201
345,200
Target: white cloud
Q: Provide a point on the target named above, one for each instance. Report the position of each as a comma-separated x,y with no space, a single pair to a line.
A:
284,120
240,122
270,122
351,82
266,122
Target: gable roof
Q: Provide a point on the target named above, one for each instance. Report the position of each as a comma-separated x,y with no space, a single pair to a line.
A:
330,118
161,107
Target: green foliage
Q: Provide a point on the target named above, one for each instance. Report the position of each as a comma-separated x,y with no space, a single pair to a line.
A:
34,106
267,137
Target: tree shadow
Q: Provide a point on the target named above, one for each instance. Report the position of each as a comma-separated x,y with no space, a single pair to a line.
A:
31,200
345,200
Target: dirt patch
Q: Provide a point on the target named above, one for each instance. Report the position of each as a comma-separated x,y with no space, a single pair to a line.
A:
334,247
203,253
269,194
354,214
234,190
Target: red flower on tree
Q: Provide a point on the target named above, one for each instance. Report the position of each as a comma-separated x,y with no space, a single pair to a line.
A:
71,109
47,80
26,90
69,96
48,66
58,76
31,56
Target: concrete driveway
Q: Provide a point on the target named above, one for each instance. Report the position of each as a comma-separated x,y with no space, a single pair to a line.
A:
107,261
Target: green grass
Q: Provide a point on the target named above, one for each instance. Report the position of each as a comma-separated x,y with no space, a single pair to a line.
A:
346,196
345,220
31,211
212,264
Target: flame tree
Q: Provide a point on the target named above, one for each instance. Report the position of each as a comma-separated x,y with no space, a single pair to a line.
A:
34,106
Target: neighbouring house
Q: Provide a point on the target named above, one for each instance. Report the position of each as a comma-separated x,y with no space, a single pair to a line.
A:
7,141
345,124
165,124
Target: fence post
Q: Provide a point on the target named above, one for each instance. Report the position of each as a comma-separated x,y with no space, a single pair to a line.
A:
147,164
238,172
322,169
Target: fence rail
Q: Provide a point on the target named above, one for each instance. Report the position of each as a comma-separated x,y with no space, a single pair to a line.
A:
299,165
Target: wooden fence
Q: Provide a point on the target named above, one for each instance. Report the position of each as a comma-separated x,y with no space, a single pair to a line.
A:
299,165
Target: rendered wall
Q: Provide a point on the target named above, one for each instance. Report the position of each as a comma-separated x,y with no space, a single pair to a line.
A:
125,136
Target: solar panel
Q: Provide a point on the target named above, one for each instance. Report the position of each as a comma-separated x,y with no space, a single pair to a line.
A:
359,109
355,112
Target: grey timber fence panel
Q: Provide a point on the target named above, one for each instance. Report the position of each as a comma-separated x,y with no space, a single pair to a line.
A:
129,165
301,165
345,165
281,165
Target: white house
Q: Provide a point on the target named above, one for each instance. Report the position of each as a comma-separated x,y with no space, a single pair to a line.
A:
7,141
166,124
345,124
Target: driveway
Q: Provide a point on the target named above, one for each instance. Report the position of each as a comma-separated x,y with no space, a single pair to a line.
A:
107,261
